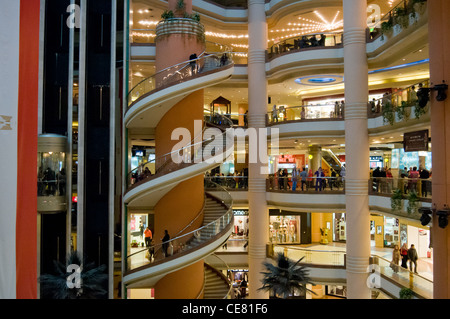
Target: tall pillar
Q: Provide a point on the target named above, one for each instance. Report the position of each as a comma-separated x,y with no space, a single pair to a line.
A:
257,98
315,160
438,28
181,204
356,148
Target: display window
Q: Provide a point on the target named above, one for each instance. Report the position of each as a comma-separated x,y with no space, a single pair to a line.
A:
336,291
391,232
339,227
239,281
284,229
137,225
240,230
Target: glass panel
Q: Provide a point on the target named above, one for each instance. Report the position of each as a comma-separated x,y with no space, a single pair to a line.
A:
51,174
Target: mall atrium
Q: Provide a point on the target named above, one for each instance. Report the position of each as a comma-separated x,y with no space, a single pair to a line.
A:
183,144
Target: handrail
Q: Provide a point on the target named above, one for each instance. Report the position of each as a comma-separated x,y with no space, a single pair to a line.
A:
227,268
217,226
301,42
228,50
166,157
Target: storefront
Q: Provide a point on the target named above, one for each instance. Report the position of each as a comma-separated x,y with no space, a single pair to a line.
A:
240,230
137,224
376,161
236,277
289,227
339,227
391,232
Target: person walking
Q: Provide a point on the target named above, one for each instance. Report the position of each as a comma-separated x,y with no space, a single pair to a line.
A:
424,175
274,114
148,236
294,176
412,256
165,242
395,259
319,175
404,255
303,175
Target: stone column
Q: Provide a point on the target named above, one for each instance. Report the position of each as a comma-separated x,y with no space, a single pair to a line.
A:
356,148
438,29
257,98
315,151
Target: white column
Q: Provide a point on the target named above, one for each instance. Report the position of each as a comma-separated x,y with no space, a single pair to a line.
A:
257,98
356,148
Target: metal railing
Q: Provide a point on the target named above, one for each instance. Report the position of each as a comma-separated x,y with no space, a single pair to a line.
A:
305,112
306,41
192,153
179,72
185,242
402,276
386,186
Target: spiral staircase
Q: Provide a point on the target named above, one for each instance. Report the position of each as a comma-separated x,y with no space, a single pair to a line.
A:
148,103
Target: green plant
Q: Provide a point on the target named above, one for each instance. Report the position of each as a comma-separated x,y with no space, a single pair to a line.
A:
418,111
388,113
406,293
181,5
413,198
91,285
396,199
386,27
167,14
402,111
286,277
401,16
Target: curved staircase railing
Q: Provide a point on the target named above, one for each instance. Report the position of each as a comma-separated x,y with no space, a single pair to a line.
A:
178,73
190,154
188,242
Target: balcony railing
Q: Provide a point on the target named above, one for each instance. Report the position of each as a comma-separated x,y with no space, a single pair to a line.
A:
183,243
305,113
401,276
306,42
178,73
382,186
193,153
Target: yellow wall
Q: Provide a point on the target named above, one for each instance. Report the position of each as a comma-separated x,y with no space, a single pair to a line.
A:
319,220
379,238
182,284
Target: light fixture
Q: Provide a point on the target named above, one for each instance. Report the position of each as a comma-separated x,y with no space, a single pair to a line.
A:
425,219
443,216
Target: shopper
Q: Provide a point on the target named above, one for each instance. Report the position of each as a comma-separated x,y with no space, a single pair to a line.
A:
148,236
413,179
193,63
424,175
165,242
294,176
395,259
274,114
303,175
412,256
333,179
404,255
319,176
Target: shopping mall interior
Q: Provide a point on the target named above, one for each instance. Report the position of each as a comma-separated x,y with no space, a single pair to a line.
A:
182,145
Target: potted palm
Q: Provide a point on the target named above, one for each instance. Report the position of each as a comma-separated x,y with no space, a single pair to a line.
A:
286,278
59,285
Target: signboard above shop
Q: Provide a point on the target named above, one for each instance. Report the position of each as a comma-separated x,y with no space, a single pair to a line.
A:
416,141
